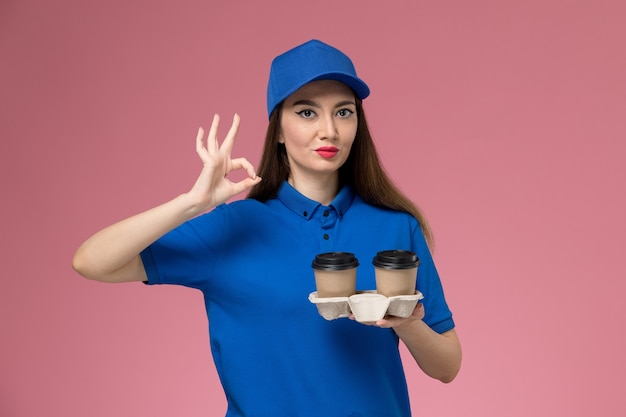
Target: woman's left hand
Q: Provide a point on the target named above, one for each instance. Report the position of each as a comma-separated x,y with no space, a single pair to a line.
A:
438,355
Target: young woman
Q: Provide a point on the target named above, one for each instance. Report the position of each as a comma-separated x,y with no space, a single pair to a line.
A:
320,188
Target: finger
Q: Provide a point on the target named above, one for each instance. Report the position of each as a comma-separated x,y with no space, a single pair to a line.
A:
384,323
419,311
245,184
229,141
243,163
211,144
200,145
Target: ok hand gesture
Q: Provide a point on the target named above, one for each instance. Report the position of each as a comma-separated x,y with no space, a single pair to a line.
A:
212,186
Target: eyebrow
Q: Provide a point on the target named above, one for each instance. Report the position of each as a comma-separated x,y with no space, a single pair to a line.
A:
315,104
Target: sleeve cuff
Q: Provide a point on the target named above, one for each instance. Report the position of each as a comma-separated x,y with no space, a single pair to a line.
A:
442,326
150,267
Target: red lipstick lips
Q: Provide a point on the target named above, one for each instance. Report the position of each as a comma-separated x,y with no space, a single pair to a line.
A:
327,151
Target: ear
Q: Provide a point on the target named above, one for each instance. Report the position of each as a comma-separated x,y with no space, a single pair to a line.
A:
280,138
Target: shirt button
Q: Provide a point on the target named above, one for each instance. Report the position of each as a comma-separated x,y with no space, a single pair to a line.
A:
326,236
326,213
305,214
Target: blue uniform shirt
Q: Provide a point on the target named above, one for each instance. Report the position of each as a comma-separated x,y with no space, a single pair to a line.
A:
275,355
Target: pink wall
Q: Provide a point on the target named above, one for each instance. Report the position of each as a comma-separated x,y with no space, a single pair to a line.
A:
504,120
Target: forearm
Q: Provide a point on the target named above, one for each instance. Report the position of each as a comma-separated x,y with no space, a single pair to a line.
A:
112,254
438,355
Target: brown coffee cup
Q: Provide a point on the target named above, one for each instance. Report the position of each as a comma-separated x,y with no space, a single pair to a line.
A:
396,272
335,274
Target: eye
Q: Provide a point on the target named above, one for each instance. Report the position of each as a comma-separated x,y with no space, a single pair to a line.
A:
306,113
345,113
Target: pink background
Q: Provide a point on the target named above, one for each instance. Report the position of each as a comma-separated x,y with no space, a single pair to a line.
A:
504,120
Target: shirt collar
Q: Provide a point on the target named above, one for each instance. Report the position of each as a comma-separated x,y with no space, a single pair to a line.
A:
305,207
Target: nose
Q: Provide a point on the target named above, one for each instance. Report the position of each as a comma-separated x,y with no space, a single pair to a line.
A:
327,127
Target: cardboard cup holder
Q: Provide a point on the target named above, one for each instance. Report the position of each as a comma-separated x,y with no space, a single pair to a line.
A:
367,306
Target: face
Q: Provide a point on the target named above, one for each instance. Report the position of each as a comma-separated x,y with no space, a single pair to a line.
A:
318,126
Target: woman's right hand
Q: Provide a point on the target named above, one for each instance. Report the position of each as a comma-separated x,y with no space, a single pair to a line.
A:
212,186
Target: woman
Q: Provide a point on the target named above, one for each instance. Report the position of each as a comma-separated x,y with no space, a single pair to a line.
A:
320,189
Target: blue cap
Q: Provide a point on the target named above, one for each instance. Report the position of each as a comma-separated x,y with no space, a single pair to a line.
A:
311,61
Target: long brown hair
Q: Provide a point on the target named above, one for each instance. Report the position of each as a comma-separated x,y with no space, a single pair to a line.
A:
362,171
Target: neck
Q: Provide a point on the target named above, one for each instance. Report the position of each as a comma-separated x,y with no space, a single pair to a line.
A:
320,189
